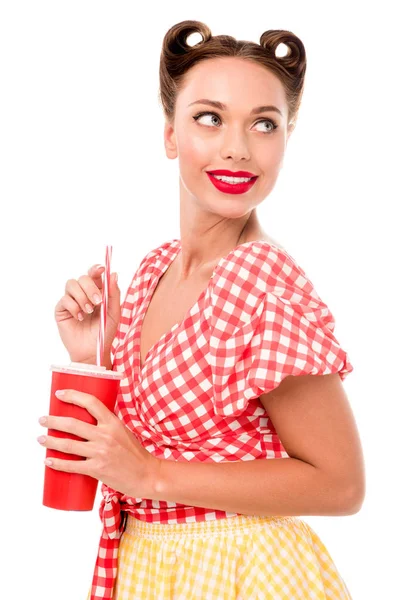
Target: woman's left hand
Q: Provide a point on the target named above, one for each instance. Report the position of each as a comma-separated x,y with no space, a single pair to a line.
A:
113,454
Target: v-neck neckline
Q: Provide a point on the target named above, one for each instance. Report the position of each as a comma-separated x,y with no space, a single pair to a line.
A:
150,292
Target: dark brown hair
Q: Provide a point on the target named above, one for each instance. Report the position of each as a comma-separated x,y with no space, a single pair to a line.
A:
177,57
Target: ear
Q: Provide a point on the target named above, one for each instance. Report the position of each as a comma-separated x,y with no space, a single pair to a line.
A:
290,130
169,140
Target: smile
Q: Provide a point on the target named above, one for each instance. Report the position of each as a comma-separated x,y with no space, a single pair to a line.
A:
232,188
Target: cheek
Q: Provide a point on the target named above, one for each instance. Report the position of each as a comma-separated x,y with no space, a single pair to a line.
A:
272,154
195,148
194,157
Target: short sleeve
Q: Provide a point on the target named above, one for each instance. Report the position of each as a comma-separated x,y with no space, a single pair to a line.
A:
267,322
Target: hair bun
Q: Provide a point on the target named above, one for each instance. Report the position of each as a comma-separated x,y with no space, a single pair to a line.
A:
295,59
178,58
175,40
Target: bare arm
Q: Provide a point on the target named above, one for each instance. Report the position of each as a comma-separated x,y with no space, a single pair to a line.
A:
266,487
324,474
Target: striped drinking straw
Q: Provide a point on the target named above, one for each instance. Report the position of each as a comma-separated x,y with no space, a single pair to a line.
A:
104,305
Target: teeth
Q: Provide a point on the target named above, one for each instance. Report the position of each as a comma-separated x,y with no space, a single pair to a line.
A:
232,179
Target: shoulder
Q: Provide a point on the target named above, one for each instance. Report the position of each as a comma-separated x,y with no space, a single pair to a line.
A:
261,266
258,277
155,257
152,261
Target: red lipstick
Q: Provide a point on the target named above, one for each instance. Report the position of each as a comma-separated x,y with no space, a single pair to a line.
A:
232,188
232,173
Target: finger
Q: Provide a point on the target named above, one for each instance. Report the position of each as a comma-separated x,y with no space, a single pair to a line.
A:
78,294
70,466
96,273
87,431
70,305
92,404
91,289
84,449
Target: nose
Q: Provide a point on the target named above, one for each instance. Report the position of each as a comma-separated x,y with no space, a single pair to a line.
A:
235,145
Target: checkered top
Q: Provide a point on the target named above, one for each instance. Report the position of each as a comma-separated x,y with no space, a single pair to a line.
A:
196,397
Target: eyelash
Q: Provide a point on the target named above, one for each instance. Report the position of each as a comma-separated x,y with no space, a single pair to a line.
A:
275,126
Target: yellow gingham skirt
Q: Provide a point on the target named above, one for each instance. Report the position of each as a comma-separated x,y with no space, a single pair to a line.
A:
234,558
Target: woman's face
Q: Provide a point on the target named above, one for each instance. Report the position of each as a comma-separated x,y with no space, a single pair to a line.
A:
232,139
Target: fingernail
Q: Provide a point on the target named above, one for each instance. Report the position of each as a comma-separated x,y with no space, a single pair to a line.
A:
96,299
60,393
42,420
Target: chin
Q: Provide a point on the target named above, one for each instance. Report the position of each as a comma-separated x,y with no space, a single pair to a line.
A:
228,209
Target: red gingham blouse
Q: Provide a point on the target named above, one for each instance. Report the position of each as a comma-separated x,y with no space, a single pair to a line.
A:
196,398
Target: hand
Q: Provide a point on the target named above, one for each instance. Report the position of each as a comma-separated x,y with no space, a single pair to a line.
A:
113,454
79,334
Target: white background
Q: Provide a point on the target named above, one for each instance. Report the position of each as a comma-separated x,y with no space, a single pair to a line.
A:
83,165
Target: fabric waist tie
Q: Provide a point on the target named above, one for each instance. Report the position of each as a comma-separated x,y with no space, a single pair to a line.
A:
114,522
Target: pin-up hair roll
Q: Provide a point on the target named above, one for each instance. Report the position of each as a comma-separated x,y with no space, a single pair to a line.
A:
178,57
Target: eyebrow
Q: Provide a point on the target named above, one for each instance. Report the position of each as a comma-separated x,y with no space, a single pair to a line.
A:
221,106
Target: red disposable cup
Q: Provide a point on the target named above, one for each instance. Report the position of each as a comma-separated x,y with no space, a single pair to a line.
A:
73,491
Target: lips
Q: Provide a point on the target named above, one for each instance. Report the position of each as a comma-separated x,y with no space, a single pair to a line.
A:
231,188
232,173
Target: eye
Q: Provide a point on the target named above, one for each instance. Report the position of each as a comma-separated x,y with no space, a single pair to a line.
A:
271,122
203,114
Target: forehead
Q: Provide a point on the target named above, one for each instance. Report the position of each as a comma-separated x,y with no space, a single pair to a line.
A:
236,82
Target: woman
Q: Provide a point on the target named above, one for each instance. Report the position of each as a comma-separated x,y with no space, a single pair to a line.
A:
213,333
